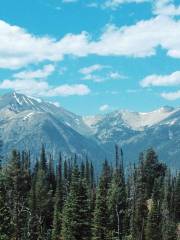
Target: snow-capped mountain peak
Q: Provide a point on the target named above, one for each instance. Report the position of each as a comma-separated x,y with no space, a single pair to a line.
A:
133,120
29,122
17,102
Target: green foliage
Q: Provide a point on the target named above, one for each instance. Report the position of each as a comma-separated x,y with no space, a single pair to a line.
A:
76,213
177,198
153,229
117,201
43,203
101,220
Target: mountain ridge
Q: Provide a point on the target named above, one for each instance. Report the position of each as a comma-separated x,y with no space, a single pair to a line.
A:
27,121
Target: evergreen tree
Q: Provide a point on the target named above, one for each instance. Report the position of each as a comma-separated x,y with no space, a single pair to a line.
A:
87,171
177,198
76,213
44,199
43,159
101,218
51,175
117,201
41,204
57,218
152,170
1,154
18,188
168,218
140,211
82,170
153,229
5,216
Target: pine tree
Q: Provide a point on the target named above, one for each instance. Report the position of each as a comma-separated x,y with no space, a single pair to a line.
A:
87,171
82,170
44,199
18,188
1,153
152,170
140,211
76,213
153,228
92,175
57,218
117,200
5,216
34,230
177,198
43,159
101,217
168,217
51,175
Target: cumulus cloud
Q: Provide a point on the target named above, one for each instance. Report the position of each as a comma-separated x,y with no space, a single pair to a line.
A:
45,72
116,3
171,96
104,108
19,48
166,7
158,80
130,40
43,89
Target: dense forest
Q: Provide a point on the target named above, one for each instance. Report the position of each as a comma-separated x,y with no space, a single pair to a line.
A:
68,201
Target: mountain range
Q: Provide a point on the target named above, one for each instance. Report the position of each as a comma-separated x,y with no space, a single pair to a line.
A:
27,123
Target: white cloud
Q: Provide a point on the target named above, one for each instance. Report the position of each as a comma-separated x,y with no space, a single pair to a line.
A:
166,7
115,76
104,108
43,89
69,90
116,3
158,80
141,39
171,96
91,69
19,48
94,78
90,73
46,71
104,77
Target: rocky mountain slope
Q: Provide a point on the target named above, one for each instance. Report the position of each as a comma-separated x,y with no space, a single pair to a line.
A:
136,132
26,122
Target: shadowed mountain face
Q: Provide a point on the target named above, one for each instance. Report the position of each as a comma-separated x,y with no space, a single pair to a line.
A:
26,123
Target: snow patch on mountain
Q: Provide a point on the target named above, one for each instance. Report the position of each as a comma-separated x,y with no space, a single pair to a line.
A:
134,120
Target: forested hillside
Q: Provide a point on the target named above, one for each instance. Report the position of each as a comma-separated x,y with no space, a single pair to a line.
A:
68,201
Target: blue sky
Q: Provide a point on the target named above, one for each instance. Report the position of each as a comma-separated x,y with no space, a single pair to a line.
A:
92,56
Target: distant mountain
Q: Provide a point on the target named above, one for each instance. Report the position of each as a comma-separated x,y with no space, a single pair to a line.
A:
26,123
136,132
